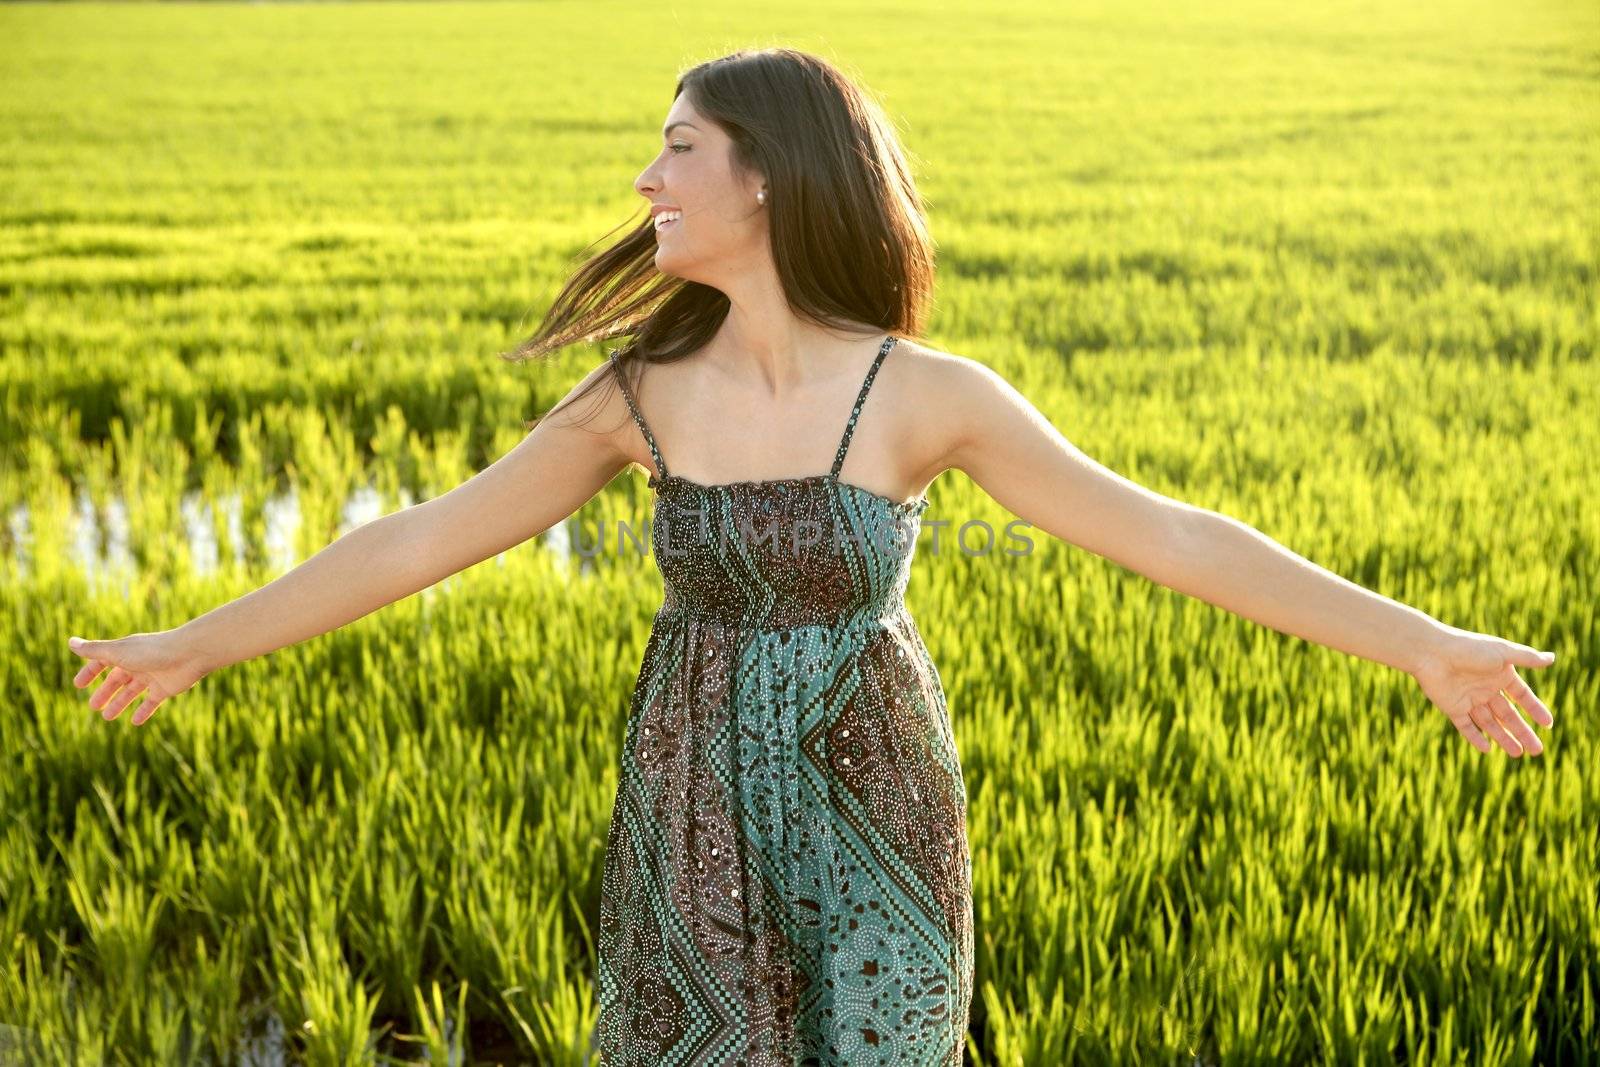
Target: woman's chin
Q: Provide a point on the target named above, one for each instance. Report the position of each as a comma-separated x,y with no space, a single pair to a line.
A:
667,263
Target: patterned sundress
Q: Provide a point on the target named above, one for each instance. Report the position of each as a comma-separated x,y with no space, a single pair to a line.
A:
787,877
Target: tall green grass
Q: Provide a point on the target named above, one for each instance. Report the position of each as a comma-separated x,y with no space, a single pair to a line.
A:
1330,271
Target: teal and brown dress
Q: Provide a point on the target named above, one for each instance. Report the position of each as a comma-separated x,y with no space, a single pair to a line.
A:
787,878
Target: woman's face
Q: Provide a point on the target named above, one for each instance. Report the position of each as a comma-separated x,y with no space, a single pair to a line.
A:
720,227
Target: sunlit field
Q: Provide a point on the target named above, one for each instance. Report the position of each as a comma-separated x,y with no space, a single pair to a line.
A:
1329,269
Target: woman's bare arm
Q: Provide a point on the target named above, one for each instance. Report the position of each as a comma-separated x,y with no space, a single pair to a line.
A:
994,435
1010,449
551,472
1015,454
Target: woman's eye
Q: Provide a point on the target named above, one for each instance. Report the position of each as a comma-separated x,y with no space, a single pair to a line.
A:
678,146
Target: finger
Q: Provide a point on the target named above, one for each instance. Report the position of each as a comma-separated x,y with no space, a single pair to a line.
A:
147,709
1527,740
89,672
1524,656
127,696
1519,691
88,649
1470,731
1491,726
108,688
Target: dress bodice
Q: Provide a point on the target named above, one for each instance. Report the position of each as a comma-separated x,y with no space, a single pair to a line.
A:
781,552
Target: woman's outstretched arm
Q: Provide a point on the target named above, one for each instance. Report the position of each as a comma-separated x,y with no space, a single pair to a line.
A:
1010,449
550,473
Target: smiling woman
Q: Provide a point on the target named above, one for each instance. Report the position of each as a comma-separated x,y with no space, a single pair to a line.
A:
787,876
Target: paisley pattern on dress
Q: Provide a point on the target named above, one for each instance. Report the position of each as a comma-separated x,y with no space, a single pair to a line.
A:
787,877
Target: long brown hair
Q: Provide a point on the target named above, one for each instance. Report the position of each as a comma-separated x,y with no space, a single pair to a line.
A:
848,226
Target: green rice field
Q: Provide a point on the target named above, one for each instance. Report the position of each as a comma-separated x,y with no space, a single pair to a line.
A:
1329,269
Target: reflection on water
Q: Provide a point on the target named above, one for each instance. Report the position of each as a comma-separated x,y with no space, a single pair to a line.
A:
99,541
267,1045
266,1048
263,1045
19,1045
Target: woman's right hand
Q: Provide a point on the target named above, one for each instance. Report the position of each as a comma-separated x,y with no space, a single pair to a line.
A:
154,665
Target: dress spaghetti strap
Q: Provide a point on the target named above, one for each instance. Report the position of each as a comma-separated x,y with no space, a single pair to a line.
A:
649,438
855,412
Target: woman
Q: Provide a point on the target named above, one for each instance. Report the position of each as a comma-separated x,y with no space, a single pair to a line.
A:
787,875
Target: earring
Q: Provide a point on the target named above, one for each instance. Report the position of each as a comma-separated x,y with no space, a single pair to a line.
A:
761,197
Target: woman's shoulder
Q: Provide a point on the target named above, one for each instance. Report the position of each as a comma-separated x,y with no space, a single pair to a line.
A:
934,379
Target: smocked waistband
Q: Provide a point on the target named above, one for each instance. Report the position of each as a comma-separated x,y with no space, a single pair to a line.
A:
784,617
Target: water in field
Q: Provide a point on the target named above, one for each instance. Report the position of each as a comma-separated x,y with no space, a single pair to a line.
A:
100,538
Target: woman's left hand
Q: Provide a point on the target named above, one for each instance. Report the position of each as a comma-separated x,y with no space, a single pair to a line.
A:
1469,676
